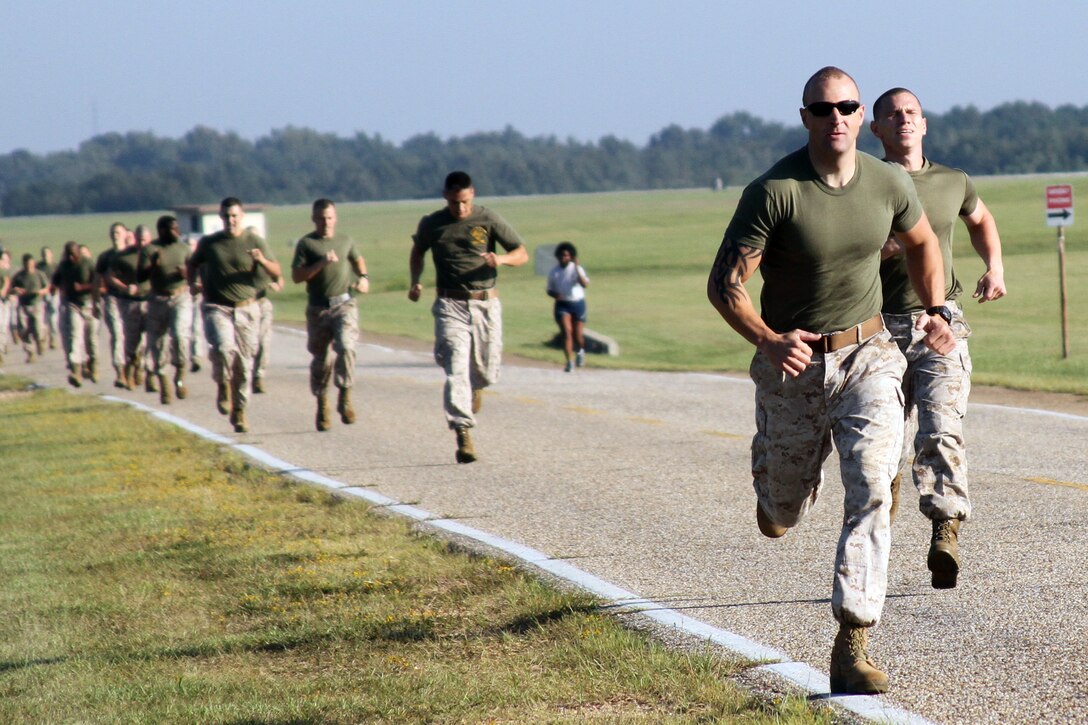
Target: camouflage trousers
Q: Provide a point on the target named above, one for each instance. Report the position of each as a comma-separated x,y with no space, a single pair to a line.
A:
232,343
264,337
336,327
79,334
853,397
111,318
468,346
198,346
169,321
30,320
134,322
936,388
5,326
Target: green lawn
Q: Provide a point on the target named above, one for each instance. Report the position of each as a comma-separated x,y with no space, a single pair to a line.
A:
201,589
648,254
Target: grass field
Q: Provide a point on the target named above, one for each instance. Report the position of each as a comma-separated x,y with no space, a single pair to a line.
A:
648,254
204,590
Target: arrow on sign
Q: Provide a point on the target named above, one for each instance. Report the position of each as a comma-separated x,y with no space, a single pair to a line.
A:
1060,214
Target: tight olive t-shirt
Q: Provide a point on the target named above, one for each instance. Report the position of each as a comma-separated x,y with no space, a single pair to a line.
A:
334,279
458,243
230,272
821,245
946,195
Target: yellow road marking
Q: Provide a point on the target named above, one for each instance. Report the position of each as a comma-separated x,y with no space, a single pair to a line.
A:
528,401
1054,482
580,409
647,421
723,434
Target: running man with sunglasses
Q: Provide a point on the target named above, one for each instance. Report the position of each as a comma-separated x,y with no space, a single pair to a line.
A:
935,386
825,368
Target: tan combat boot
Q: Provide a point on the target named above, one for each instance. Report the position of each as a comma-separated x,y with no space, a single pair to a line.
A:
466,452
90,371
767,527
179,384
75,376
137,375
121,377
343,406
164,390
222,398
129,376
151,382
852,672
238,420
944,553
895,497
324,417
477,400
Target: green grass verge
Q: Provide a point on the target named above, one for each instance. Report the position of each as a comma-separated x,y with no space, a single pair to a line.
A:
152,577
648,254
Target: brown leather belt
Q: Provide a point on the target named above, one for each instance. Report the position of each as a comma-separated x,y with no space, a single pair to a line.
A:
853,336
460,294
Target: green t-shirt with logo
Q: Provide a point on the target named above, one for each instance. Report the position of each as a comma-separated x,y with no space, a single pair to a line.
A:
70,273
230,273
124,266
163,263
334,279
456,245
821,245
946,195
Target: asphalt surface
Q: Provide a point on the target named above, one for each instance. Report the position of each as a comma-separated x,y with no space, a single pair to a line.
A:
642,480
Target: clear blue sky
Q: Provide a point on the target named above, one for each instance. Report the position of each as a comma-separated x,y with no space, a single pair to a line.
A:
581,69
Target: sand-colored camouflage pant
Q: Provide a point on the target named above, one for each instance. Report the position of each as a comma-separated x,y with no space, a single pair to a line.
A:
5,326
79,334
134,319
264,337
52,307
338,327
169,321
853,396
232,344
111,318
468,346
936,388
198,345
30,320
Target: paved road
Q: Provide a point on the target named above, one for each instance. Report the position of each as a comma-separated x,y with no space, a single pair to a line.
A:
641,479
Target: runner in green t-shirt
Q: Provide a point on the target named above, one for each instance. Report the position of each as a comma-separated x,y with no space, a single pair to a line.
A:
6,305
30,286
935,386
463,240
164,264
825,369
333,268
75,280
229,261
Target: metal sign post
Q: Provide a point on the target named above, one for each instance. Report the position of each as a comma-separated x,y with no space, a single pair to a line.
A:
1059,213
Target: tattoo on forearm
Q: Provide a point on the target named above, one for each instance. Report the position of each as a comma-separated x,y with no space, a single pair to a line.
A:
731,268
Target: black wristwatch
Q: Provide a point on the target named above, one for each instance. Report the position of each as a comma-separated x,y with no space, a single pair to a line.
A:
940,311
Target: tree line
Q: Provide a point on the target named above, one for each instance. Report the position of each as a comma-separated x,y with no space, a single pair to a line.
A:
140,171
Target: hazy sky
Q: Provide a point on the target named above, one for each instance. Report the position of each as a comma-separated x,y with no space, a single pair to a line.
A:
582,69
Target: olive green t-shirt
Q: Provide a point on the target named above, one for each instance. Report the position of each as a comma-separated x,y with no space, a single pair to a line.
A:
946,195
163,263
456,246
33,285
821,245
70,273
334,279
124,266
230,273
102,267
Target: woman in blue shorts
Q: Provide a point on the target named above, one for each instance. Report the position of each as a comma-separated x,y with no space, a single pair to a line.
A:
567,283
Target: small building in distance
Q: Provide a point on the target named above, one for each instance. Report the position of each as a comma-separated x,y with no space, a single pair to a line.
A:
196,220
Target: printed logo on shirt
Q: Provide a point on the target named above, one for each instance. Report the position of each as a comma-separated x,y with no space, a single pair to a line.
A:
479,236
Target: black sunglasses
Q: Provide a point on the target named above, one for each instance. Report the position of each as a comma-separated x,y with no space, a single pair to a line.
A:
823,108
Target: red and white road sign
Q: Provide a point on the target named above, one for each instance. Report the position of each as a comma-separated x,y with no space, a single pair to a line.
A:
1059,205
